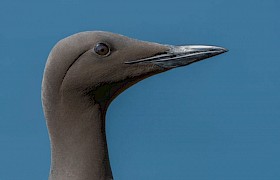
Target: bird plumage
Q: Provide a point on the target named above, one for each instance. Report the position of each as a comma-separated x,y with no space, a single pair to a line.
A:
83,74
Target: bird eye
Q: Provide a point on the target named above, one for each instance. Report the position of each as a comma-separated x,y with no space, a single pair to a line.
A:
102,49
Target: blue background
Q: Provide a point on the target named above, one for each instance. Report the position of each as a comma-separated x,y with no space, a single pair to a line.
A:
217,119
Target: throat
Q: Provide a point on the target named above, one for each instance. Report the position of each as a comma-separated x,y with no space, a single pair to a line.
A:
78,143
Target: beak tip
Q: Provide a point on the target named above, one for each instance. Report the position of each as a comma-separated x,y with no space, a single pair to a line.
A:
225,50
218,48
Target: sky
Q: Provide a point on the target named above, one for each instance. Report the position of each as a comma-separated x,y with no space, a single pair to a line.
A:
217,119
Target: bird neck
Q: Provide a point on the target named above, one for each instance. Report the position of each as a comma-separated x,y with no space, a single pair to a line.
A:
78,141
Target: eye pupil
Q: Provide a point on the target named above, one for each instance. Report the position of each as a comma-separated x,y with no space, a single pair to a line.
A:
102,49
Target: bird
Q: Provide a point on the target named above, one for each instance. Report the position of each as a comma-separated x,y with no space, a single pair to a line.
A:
83,74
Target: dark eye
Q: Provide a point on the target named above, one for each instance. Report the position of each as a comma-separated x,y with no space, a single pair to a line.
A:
102,49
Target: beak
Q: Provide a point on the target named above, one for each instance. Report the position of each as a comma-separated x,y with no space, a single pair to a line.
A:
178,56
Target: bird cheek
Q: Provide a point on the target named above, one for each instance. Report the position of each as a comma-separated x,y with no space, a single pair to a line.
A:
139,72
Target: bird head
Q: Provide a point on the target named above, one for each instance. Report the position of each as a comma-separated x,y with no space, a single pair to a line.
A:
100,65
